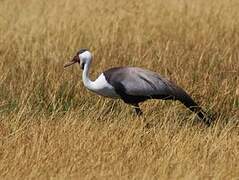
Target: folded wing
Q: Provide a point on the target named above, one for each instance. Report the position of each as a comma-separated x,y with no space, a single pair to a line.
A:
140,82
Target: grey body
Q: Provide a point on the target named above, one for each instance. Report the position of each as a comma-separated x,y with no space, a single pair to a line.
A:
139,82
135,85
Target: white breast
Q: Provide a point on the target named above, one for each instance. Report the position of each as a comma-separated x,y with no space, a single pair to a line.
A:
103,88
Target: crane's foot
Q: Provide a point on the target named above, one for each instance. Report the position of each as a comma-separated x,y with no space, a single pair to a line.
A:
138,111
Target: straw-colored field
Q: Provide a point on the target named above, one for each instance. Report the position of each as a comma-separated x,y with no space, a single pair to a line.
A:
51,127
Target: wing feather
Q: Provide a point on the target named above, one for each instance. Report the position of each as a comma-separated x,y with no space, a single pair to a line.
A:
139,82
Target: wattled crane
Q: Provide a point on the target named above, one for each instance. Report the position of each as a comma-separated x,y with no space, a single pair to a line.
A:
134,85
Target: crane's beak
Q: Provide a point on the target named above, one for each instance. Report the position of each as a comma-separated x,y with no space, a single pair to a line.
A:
73,61
70,63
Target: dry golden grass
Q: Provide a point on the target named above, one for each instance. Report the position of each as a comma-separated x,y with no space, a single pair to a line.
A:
52,128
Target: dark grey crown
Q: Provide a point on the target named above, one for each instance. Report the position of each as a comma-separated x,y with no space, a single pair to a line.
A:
82,50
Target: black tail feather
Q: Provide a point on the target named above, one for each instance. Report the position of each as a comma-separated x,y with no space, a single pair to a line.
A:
201,114
194,107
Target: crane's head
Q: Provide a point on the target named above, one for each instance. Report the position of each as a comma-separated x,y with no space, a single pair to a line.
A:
83,57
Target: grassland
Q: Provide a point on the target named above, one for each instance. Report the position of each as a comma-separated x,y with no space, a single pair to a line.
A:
51,127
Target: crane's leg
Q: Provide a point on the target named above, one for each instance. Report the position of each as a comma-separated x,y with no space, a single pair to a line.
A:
137,109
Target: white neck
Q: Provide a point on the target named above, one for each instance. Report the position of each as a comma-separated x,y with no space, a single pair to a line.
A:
100,85
85,77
